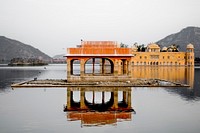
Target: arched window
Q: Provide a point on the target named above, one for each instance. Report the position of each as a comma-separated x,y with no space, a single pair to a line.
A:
75,67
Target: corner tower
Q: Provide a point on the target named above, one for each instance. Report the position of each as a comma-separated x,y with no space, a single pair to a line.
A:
190,55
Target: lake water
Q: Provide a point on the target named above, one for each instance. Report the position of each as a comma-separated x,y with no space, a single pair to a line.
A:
158,110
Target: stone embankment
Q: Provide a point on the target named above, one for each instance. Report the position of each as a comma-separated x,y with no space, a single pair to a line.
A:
132,83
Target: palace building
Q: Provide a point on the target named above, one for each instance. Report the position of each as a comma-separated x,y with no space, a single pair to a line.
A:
153,55
98,59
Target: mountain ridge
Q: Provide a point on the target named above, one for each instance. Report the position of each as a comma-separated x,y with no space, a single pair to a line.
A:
10,48
187,35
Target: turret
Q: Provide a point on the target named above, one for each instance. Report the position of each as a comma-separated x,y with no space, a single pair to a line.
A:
153,48
190,55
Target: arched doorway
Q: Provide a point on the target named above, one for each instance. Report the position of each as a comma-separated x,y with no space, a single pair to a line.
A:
92,66
99,66
75,67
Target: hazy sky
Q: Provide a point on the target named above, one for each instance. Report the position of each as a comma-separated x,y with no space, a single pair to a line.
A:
54,25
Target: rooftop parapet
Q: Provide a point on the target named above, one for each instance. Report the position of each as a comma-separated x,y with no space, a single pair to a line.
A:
99,44
100,48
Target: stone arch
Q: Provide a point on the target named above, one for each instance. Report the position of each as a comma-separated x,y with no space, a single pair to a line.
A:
156,63
132,63
92,66
111,65
75,67
99,66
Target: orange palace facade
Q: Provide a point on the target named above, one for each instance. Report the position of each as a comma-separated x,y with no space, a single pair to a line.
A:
153,56
115,63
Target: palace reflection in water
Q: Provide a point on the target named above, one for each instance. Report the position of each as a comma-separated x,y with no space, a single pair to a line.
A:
99,106
175,74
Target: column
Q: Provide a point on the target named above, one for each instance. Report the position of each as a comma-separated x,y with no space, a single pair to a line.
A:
124,66
129,99
93,97
116,67
68,99
82,63
82,100
93,62
103,97
103,64
115,104
68,68
124,97
129,67
112,67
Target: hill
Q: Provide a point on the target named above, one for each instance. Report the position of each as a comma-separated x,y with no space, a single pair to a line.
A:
59,58
182,38
10,49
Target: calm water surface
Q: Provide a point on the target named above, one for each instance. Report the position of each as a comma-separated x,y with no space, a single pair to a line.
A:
40,110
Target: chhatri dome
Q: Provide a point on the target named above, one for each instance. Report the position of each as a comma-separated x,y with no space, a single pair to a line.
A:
190,46
153,45
164,49
153,48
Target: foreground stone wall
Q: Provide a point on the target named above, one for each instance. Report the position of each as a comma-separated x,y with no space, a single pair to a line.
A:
98,78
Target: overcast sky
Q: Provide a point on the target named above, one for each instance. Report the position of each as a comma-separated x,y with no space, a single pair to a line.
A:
54,25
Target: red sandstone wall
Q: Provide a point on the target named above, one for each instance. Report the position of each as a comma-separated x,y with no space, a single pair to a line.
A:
94,50
99,44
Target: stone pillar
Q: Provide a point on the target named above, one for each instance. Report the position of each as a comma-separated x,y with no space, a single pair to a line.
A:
124,97
103,64
112,67
116,67
125,67
69,68
93,62
93,97
82,65
115,104
103,97
120,67
129,99
129,67
68,99
82,99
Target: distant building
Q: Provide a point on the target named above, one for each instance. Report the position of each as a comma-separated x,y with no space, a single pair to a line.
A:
153,55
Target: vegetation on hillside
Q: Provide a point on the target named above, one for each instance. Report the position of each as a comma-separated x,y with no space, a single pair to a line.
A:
26,62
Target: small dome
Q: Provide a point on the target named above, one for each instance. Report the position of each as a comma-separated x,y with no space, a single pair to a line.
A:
153,45
134,49
164,49
190,46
